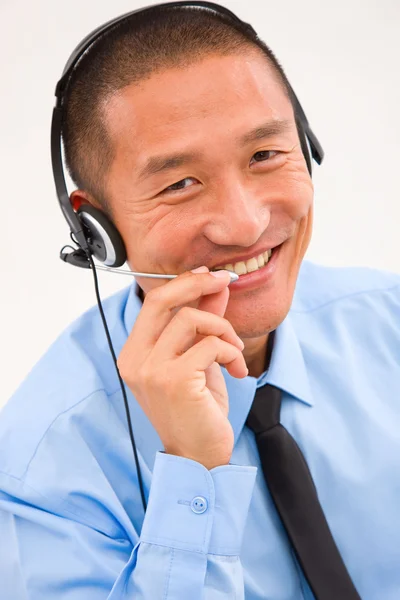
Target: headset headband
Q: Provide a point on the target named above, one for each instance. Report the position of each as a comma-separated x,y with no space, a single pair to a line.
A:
92,37
74,222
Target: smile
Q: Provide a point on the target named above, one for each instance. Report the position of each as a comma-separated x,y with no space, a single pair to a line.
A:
248,266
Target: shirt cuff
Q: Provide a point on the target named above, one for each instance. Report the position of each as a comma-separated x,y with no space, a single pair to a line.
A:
192,508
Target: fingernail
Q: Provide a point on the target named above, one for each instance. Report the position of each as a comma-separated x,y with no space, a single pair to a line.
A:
218,273
200,270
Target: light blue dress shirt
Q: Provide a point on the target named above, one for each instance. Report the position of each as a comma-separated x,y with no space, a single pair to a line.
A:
71,518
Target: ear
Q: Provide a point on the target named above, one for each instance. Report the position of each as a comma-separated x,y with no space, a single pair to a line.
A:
103,238
79,197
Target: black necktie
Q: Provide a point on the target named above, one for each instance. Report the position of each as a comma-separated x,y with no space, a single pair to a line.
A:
295,497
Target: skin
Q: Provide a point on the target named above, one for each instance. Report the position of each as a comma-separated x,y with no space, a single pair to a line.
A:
231,201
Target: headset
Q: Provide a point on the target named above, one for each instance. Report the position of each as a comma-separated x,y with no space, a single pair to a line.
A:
90,229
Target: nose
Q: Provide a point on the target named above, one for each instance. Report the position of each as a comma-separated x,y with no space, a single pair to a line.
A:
238,214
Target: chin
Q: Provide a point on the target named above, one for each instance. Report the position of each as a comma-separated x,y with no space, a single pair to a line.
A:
256,318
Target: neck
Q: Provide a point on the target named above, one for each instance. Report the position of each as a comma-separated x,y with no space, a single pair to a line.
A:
257,354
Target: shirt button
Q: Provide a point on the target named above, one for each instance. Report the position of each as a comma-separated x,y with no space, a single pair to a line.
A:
199,505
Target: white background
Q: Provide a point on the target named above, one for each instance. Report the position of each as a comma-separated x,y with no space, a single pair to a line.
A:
342,60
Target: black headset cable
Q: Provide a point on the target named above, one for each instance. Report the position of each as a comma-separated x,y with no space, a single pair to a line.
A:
128,415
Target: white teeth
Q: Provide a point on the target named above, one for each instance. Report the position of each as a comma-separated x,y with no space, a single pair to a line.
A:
240,268
251,265
248,266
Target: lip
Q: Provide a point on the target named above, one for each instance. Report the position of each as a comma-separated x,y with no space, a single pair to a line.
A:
243,258
259,277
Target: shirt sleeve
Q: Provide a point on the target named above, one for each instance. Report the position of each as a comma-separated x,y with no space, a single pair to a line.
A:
189,545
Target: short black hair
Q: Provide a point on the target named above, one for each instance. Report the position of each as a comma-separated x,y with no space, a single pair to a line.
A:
132,51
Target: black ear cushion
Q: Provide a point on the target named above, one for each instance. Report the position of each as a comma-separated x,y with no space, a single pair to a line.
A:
104,239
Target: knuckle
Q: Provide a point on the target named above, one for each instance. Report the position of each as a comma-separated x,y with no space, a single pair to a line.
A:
185,314
198,285
213,340
230,329
154,296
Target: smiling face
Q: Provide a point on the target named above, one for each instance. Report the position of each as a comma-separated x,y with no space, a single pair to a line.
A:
243,188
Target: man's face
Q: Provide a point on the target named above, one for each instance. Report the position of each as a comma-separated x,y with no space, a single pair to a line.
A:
233,200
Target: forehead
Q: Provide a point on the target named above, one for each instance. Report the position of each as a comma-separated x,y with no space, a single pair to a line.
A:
219,94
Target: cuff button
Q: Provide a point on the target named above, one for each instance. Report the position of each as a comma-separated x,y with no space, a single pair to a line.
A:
199,505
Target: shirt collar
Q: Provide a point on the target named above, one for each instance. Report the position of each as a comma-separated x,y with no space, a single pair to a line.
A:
132,307
287,369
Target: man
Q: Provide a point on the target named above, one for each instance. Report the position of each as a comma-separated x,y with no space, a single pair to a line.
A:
193,351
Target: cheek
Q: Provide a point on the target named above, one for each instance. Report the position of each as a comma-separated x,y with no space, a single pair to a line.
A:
159,240
299,189
288,192
151,228
174,229
297,204
305,230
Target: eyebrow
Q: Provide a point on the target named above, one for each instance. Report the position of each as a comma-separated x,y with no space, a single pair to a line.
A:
157,164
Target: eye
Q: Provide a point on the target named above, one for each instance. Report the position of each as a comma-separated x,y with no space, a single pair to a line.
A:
265,156
179,185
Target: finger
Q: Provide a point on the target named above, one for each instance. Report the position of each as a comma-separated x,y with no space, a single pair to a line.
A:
215,303
181,332
212,349
159,304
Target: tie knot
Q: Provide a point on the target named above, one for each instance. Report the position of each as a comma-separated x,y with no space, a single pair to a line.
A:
265,410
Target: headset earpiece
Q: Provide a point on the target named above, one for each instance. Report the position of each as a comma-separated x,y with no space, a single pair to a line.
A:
309,154
305,144
103,238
